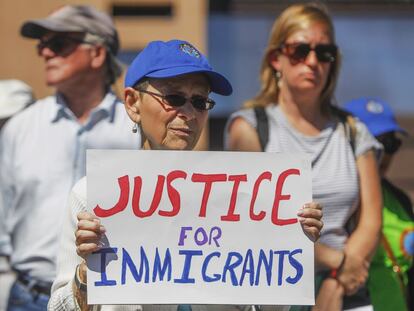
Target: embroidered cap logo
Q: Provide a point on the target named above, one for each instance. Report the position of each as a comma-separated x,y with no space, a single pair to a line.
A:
374,107
190,50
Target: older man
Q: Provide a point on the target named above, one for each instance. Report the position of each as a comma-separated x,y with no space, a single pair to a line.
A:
42,150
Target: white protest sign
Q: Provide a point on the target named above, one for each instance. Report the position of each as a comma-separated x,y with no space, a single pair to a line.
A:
200,228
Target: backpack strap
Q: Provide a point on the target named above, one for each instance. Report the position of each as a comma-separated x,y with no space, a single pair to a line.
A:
349,123
262,126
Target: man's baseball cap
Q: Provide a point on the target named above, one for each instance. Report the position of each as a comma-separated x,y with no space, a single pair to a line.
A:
168,59
15,95
82,19
376,114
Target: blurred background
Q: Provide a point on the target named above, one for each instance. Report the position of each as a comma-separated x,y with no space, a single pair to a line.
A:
376,39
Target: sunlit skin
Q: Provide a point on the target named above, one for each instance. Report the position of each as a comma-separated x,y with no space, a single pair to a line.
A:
73,67
308,77
166,127
302,83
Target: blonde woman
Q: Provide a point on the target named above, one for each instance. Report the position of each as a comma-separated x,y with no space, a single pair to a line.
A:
298,77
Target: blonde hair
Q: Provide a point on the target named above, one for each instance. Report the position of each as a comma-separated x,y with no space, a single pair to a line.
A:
291,20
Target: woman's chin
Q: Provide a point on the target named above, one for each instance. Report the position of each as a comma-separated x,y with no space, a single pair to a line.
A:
180,144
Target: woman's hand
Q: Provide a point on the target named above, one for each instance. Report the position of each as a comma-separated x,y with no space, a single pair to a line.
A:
88,234
310,216
353,273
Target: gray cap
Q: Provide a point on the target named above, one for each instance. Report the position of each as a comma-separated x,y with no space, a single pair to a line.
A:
71,18
78,18
15,95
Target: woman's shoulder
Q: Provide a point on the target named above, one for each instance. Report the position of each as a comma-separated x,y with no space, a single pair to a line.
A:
247,114
250,114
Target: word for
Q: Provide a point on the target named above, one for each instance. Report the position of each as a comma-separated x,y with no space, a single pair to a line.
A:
200,236
233,267
208,180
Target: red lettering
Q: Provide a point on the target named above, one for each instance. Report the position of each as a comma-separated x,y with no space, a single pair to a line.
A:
173,194
123,183
279,197
262,214
232,206
208,179
155,199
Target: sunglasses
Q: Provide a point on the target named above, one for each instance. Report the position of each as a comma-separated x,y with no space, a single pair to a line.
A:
58,44
174,100
325,53
390,142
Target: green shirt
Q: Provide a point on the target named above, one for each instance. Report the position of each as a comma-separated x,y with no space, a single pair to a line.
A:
387,288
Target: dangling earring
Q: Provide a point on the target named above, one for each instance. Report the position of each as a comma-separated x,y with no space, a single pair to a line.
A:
135,128
278,75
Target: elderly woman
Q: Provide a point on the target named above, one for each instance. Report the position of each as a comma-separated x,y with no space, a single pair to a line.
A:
167,88
299,72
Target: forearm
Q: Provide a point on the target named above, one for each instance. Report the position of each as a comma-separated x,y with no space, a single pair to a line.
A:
327,258
364,240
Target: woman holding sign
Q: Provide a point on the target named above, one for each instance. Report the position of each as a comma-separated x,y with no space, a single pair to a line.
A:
166,93
294,112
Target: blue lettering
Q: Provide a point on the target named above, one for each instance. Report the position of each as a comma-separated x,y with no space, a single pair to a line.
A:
280,266
207,278
297,265
268,264
229,267
248,267
160,269
187,265
127,261
104,280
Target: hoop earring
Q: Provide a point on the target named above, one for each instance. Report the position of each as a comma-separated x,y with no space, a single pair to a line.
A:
135,128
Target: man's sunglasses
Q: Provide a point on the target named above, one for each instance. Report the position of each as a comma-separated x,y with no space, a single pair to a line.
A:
58,44
325,53
390,142
175,100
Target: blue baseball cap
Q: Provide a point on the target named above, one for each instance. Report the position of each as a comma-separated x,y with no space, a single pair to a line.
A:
376,114
168,59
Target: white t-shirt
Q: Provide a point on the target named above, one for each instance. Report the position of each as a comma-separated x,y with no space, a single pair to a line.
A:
335,181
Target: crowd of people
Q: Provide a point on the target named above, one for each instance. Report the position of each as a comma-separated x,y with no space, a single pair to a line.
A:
46,232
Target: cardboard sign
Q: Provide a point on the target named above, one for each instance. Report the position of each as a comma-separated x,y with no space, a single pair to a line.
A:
187,227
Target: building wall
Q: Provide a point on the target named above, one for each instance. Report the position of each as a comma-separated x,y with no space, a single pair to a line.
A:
401,171
19,60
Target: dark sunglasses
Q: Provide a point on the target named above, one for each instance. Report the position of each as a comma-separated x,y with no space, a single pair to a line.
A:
58,44
325,53
175,100
390,142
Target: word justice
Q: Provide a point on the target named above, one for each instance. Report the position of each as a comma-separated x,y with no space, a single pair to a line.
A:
208,180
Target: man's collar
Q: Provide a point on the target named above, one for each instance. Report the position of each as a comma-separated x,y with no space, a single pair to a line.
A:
105,108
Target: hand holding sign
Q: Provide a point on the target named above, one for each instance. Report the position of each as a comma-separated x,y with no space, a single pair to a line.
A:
88,234
310,216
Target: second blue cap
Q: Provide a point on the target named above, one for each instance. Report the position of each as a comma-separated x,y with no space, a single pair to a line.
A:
376,114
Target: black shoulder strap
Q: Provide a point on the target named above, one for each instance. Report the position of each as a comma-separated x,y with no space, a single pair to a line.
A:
348,121
262,126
